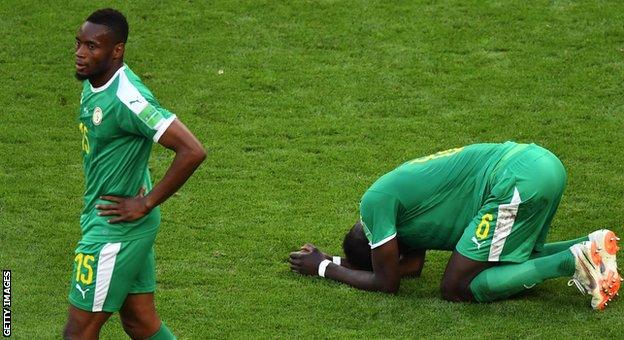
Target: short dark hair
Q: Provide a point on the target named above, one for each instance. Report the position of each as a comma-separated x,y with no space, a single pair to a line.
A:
114,20
357,249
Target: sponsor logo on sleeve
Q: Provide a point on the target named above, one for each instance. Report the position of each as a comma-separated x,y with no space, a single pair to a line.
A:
137,104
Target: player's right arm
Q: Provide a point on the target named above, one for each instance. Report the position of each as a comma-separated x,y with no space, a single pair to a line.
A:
411,261
378,212
385,277
386,274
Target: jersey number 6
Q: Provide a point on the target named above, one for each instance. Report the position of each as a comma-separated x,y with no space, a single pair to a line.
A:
483,229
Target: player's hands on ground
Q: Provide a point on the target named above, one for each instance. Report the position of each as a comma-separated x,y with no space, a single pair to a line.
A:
125,208
307,260
309,247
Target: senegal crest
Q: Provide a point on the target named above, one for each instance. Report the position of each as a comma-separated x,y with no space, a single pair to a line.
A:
97,116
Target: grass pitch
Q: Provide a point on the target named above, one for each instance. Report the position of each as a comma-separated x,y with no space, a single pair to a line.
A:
302,105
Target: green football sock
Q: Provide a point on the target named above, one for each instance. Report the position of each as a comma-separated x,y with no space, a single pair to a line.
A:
163,333
556,247
506,280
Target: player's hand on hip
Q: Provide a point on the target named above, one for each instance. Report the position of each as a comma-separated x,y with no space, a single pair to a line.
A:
125,208
307,260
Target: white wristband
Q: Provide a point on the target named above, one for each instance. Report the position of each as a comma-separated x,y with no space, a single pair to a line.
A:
322,266
336,260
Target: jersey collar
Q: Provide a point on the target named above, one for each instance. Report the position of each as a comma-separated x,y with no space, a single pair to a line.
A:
110,81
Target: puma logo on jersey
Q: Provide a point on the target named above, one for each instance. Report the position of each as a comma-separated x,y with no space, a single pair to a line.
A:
474,239
134,101
83,292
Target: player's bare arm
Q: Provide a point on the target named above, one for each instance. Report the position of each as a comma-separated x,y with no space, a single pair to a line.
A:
411,262
189,154
342,261
385,277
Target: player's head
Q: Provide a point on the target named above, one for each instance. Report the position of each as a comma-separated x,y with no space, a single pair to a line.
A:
356,248
100,43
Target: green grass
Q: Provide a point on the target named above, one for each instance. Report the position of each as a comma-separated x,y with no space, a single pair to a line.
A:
316,100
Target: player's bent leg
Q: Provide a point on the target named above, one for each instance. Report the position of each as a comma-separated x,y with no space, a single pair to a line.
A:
458,274
506,280
84,325
605,239
163,333
138,316
138,313
557,247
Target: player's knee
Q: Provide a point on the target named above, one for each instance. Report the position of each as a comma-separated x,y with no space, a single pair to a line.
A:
131,327
453,291
448,293
452,296
72,330
68,332
139,328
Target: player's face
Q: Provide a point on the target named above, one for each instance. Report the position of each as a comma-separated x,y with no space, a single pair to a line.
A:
94,51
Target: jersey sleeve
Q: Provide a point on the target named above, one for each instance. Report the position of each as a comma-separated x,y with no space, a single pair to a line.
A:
141,113
378,212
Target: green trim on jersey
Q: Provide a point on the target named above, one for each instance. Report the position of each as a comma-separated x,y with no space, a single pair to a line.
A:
119,122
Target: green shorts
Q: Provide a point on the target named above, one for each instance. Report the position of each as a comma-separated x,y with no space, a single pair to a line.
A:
105,273
524,193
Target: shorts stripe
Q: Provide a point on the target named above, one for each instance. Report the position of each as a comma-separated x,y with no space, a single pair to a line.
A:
106,264
504,222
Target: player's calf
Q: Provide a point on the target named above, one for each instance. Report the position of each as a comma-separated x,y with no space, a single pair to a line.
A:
138,316
138,329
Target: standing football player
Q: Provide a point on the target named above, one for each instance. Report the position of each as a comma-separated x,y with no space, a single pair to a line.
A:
119,119
491,205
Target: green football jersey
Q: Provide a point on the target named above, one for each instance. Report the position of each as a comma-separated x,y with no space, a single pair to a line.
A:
429,201
119,122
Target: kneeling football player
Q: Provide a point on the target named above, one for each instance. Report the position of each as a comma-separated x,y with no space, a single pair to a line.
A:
491,205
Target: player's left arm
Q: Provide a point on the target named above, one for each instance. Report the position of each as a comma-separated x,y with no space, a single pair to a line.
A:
189,154
412,263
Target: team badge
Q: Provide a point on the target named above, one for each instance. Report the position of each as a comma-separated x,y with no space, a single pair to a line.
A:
97,116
